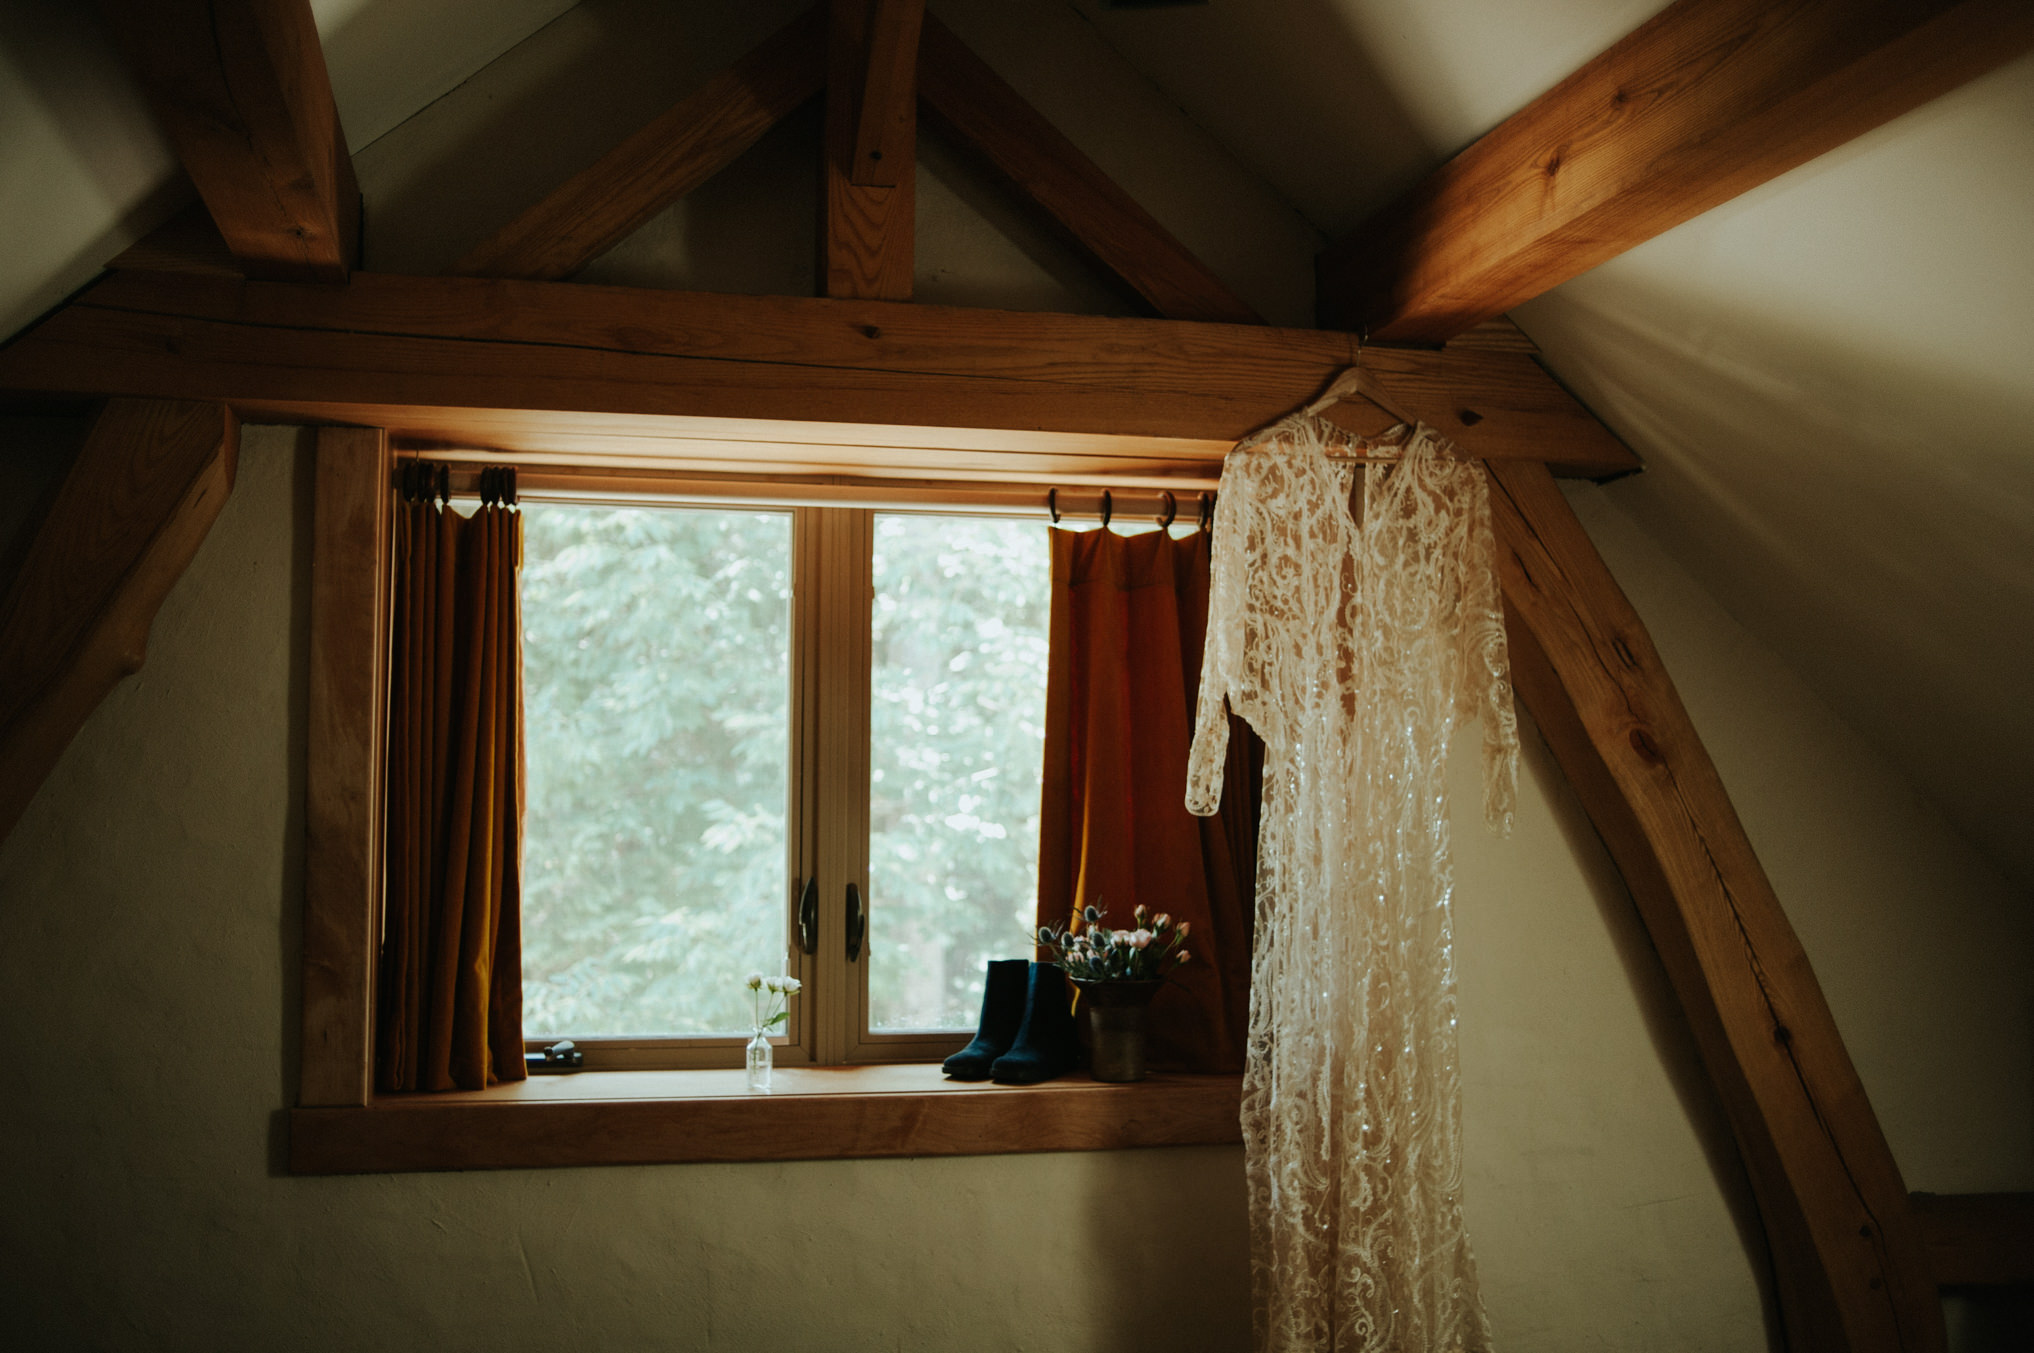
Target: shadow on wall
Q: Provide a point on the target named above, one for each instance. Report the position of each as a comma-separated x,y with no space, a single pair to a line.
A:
290,918
1319,118
546,109
1666,1024
1869,520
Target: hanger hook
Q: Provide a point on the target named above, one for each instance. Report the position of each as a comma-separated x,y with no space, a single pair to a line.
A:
1108,508
1052,504
1171,511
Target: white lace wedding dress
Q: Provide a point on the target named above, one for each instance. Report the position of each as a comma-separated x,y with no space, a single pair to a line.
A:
1353,648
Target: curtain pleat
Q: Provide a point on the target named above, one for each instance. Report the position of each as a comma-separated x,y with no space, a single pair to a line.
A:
450,994
1128,617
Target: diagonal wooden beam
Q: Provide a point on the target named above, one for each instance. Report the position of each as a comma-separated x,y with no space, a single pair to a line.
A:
867,230
1704,101
976,107
887,120
240,86
1848,1256
532,364
684,147
144,490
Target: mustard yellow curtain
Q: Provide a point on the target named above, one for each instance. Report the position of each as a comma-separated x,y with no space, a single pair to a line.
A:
1128,617
450,994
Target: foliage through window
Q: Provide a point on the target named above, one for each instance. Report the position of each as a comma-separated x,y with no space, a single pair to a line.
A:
656,687
660,692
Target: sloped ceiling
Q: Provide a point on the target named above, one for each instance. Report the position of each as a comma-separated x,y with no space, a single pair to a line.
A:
1831,379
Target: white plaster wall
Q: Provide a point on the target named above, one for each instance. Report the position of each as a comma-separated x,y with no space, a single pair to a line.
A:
148,947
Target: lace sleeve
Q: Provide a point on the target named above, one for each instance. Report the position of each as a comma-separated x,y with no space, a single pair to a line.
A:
1483,687
1222,651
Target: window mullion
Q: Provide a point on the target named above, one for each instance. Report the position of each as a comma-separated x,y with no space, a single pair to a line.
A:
840,762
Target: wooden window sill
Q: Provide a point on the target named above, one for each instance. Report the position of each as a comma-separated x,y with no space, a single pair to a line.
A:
823,1113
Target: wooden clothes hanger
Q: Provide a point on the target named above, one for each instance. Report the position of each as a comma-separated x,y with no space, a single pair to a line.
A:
1359,381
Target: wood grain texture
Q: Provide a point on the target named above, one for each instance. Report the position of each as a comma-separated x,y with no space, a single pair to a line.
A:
464,359
1851,1269
130,515
974,105
348,698
241,89
698,137
886,104
1704,101
867,231
1977,1239
485,1132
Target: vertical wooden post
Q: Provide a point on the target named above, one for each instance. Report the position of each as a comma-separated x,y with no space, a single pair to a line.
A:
1851,1269
867,230
343,791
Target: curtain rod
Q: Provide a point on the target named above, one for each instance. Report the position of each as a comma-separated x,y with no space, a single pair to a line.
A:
1135,499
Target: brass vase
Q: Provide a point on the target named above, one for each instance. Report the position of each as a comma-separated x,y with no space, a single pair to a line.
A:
1115,1014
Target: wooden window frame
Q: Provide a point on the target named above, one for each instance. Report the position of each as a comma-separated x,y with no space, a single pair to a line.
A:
843,1091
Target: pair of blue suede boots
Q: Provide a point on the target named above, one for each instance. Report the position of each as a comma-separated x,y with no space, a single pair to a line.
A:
1027,1032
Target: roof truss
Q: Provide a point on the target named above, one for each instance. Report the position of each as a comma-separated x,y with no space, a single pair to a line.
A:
536,369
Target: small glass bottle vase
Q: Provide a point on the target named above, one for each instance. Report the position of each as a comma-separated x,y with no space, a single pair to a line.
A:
760,1061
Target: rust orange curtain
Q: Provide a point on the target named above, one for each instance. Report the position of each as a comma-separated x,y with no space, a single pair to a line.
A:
450,996
1128,617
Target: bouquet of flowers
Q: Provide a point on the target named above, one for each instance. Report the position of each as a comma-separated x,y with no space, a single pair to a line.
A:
772,991
1101,954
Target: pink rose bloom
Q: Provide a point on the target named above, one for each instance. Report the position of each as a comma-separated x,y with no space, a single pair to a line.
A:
1140,938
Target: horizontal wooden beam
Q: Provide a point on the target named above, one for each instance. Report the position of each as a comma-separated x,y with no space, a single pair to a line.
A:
136,504
886,116
241,88
480,363
1704,101
698,137
978,108
875,1112
1978,1239
1848,1257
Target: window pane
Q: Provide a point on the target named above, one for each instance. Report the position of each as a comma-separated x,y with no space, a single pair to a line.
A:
957,738
656,687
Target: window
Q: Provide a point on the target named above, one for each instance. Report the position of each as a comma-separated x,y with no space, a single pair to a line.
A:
732,711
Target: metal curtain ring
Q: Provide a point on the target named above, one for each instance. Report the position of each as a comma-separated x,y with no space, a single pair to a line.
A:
1052,504
1171,510
1108,508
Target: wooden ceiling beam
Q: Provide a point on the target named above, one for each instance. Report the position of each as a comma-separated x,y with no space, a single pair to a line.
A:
129,516
465,353
682,148
1978,1239
978,108
240,87
887,117
1704,101
867,229
1848,1254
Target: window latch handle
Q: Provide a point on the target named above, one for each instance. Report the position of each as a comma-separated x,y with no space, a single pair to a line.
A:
857,922
808,916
